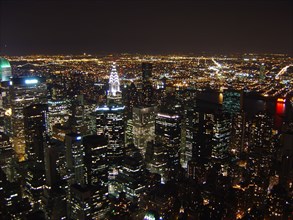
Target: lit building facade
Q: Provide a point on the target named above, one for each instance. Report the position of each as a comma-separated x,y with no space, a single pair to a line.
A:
5,70
75,158
16,95
114,93
58,113
110,122
96,163
168,132
35,140
221,135
143,126
35,131
131,177
191,130
232,101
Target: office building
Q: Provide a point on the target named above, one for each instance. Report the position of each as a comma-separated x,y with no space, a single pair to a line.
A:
5,70
157,159
75,158
96,163
232,101
143,126
146,71
17,94
58,113
221,135
168,132
191,130
35,131
110,122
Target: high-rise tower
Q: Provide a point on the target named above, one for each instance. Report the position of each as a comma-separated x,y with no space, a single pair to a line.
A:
18,94
168,132
114,93
146,71
5,70
143,126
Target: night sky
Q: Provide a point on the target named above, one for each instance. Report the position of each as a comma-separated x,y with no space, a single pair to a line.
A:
152,27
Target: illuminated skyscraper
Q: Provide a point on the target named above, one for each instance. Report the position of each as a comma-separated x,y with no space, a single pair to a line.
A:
16,95
78,116
168,132
110,122
114,93
7,157
75,158
157,160
5,70
221,135
131,178
80,202
212,135
35,132
143,126
35,138
232,101
261,145
233,104
191,121
58,113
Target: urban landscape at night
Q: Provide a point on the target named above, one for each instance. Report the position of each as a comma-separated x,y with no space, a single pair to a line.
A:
146,110
147,137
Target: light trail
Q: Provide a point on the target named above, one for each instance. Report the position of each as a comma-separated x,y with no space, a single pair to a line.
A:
282,71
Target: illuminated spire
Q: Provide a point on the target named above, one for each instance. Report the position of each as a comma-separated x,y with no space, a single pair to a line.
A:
114,84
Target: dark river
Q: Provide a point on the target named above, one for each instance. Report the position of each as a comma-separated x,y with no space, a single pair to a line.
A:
252,104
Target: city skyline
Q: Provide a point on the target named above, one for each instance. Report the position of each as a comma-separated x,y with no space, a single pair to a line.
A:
146,137
148,27
146,110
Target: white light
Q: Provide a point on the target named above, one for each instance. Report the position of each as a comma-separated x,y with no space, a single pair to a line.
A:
168,116
31,81
102,109
118,108
78,138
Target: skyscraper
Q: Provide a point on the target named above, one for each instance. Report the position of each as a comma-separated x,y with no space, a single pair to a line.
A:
147,88
168,132
143,126
58,113
114,93
35,140
191,130
75,158
146,71
212,135
221,135
16,95
35,131
110,122
5,70
157,159
232,101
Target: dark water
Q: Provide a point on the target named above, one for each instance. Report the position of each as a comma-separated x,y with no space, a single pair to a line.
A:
252,105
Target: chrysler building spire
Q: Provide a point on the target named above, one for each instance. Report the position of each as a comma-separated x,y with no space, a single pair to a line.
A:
114,84
114,93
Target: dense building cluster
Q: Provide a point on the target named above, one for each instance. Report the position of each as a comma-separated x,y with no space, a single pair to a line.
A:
146,144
